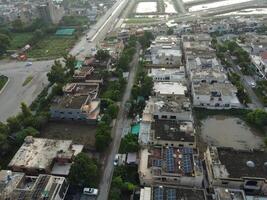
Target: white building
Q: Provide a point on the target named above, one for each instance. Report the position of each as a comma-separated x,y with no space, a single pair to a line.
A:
215,96
169,90
167,74
166,51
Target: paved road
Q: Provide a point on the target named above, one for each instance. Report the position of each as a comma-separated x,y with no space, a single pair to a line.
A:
15,93
255,100
181,8
99,30
117,132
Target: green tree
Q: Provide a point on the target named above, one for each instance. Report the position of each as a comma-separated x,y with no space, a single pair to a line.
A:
84,171
257,117
170,31
102,55
146,39
129,144
4,43
112,110
29,131
13,124
25,110
102,137
57,73
70,64
3,133
17,24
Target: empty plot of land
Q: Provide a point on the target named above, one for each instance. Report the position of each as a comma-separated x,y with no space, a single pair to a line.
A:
146,7
230,132
80,133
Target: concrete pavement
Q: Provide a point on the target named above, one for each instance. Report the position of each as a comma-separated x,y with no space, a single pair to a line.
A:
117,132
15,93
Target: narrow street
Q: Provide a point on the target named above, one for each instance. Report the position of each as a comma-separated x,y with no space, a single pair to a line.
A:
117,131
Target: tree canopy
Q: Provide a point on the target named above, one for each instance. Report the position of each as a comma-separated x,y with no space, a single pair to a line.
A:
84,172
129,143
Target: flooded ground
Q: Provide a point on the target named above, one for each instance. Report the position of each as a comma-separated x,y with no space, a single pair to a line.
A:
230,132
146,7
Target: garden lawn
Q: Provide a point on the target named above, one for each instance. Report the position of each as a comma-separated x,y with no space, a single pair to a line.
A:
19,40
3,80
52,47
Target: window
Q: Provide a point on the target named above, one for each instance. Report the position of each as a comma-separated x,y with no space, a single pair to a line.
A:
164,116
172,145
224,182
166,144
70,113
156,116
191,144
181,145
173,117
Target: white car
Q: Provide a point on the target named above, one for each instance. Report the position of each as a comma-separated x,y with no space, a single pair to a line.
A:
90,191
28,64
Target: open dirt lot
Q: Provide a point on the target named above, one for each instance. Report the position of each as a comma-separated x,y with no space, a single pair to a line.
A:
78,132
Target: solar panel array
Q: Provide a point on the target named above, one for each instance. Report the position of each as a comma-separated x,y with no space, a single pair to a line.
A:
187,164
187,150
157,163
171,194
158,193
170,160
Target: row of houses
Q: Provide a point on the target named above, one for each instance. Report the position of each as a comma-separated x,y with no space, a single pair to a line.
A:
170,163
210,87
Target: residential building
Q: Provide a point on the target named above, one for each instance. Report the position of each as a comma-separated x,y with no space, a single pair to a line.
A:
39,156
165,52
165,109
208,75
79,102
229,194
167,74
171,166
183,193
169,90
215,95
145,193
88,75
50,12
17,185
173,133
237,169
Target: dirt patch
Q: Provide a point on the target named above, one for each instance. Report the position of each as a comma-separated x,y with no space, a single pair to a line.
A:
80,133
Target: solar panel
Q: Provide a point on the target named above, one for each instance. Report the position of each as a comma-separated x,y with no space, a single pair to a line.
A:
158,193
157,163
170,160
187,164
171,194
187,150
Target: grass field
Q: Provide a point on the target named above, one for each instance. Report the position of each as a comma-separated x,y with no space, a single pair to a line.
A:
3,80
78,132
52,47
27,80
19,40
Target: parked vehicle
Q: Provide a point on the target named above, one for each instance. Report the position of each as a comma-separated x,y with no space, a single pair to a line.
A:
90,191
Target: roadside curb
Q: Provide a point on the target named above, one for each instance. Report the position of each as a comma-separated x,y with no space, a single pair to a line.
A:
5,85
